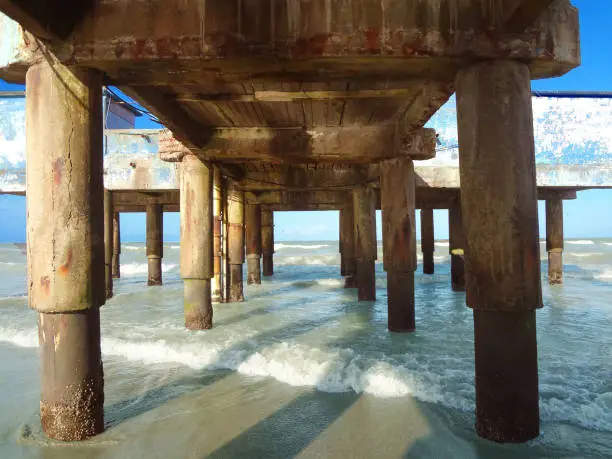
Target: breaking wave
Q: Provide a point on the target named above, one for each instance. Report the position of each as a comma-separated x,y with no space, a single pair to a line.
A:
133,269
281,246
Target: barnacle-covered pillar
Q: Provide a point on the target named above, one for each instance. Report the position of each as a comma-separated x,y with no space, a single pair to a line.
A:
196,241
65,240
500,218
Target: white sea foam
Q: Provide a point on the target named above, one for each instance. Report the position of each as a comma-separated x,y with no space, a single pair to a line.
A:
281,246
134,269
319,260
605,275
607,243
21,338
132,247
442,243
581,242
582,255
330,282
336,370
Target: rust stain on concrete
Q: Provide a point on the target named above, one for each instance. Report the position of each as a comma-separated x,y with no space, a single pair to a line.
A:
65,268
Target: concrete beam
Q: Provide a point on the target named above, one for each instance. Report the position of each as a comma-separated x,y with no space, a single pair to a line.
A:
345,144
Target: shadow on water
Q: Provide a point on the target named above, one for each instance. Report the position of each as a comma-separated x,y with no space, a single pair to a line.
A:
154,398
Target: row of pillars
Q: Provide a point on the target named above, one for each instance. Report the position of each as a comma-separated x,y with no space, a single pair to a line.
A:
228,219
67,258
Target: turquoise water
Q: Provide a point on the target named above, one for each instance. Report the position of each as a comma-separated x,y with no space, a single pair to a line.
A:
302,368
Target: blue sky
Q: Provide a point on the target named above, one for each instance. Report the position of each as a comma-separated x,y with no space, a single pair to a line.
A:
588,216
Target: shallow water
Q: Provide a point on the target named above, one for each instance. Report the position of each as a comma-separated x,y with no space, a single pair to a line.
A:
302,368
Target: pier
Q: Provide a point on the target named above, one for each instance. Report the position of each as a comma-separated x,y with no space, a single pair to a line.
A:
289,105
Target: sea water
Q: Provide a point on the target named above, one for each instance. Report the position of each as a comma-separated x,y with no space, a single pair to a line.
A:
303,369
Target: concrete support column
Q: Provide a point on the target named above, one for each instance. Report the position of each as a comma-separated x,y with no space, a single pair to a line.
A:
341,230
116,263
397,199
108,243
235,250
197,242
253,243
500,216
155,242
427,240
348,245
554,240
364,207
456,247
217,282
65,239
267,240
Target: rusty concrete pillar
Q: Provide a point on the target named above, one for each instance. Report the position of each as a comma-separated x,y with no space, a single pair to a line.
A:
348,245
196,241
456,247
397,198
427,240
500,217
108,243
267,240
364,208
155,243
235,250
253,243
217,282
116,264
65,239
554,240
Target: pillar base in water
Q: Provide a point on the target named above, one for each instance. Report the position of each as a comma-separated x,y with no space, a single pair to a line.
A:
72,379
507,409
366,280
457,273
555,268
198,304
253,269
155,271
400,301
268,265
236,294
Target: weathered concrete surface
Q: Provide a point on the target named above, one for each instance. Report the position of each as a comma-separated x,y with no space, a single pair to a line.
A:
364,214
65,241
500,218
197,242
456,247
554,240
116,259
217,281
348,241
235,239
427,240
573,149
399,241
155,243
267,241
108,243
253,243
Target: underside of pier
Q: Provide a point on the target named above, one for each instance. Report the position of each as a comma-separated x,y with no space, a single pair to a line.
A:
289,105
